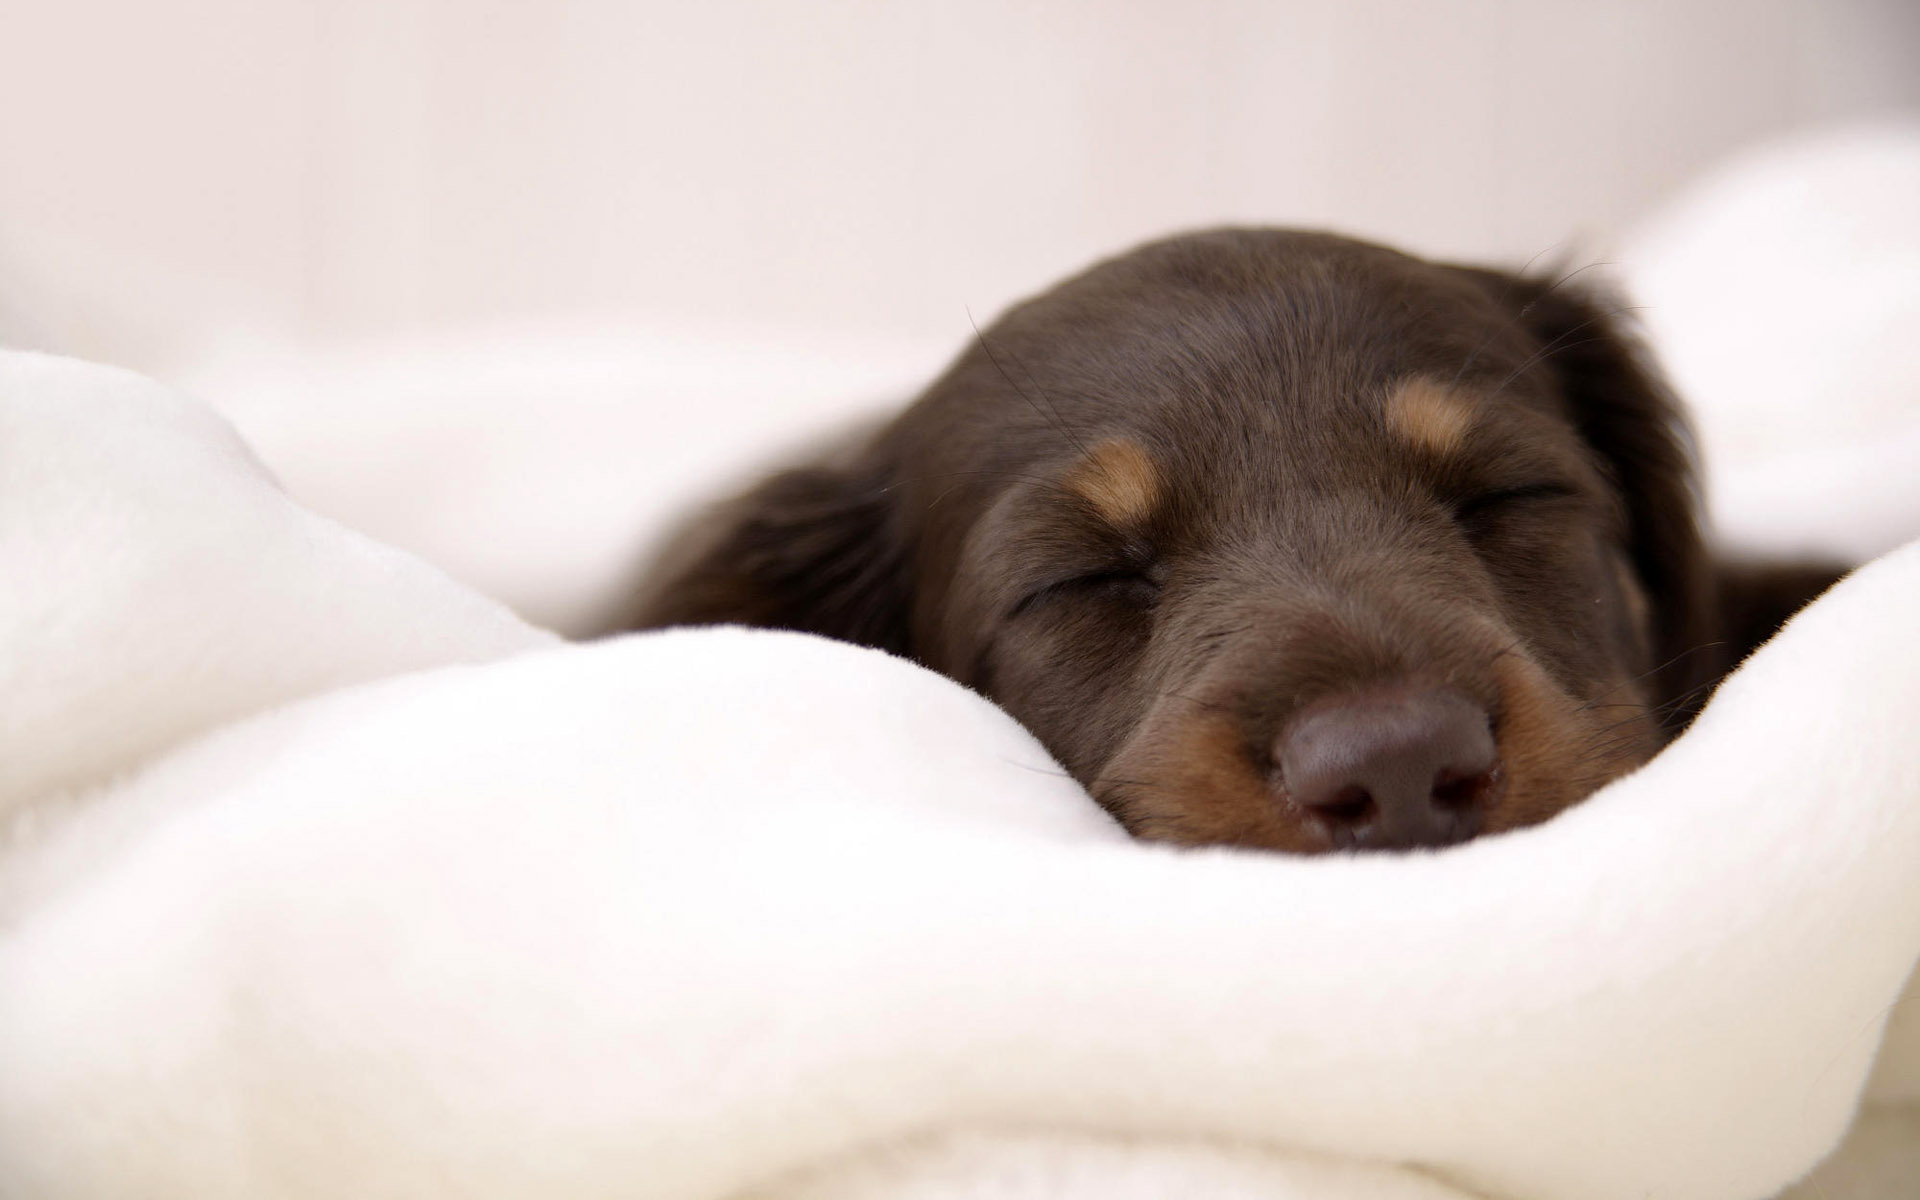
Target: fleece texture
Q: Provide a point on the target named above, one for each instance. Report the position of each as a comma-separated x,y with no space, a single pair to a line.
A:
325,877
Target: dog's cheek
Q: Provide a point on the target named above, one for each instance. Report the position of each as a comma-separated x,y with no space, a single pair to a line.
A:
1632,613
1558,750
1557,591
1073,679
1599,639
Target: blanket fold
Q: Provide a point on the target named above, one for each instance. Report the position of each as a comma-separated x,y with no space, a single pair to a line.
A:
361,887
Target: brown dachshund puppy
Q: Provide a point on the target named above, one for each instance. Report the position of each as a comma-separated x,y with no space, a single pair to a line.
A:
1276,539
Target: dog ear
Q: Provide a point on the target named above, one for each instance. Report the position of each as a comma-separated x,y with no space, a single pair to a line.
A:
813,549
1626,412
1756,597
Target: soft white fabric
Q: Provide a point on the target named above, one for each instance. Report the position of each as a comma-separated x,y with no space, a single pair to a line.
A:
748,915
1783,293
540,464
158,582
729,913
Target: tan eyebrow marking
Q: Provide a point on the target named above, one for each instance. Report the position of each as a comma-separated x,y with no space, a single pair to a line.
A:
1430,415
1118,480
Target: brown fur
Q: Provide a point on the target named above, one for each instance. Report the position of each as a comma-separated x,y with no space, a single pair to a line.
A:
1163,510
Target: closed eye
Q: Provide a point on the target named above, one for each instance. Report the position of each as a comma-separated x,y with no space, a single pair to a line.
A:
1479,508
1133,588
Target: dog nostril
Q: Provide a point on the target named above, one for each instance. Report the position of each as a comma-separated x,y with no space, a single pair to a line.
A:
1348,806
1392,768
1455,789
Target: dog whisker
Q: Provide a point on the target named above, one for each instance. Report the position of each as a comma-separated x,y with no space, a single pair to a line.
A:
1194,700
1506,293
1559,345
1654,672
1050,413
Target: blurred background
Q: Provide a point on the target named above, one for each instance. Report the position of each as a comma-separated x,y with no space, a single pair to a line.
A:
171,170
251,197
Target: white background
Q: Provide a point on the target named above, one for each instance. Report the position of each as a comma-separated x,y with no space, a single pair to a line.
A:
175,172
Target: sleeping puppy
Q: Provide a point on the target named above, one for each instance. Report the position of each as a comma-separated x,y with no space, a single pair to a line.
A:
1276,539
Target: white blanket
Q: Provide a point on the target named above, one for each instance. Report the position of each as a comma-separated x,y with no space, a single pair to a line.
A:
745,914
322,876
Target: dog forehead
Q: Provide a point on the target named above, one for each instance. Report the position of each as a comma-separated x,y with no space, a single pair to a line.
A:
1231,363
1332,428
1261,461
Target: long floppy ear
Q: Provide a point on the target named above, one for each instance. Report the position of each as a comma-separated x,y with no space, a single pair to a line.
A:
1757,596
814,549
1626,412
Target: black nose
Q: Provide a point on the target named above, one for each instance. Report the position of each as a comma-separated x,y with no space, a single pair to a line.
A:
1394,768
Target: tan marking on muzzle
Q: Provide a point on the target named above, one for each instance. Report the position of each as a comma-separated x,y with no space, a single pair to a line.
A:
1191,782
1430,415
1118,480
1558,751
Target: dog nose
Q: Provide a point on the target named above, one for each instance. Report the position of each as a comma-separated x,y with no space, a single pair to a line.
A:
1392,769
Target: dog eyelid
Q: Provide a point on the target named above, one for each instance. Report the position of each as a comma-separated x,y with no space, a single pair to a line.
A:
1115,582
1484,502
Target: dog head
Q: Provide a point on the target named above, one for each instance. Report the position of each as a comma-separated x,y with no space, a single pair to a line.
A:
1273,539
